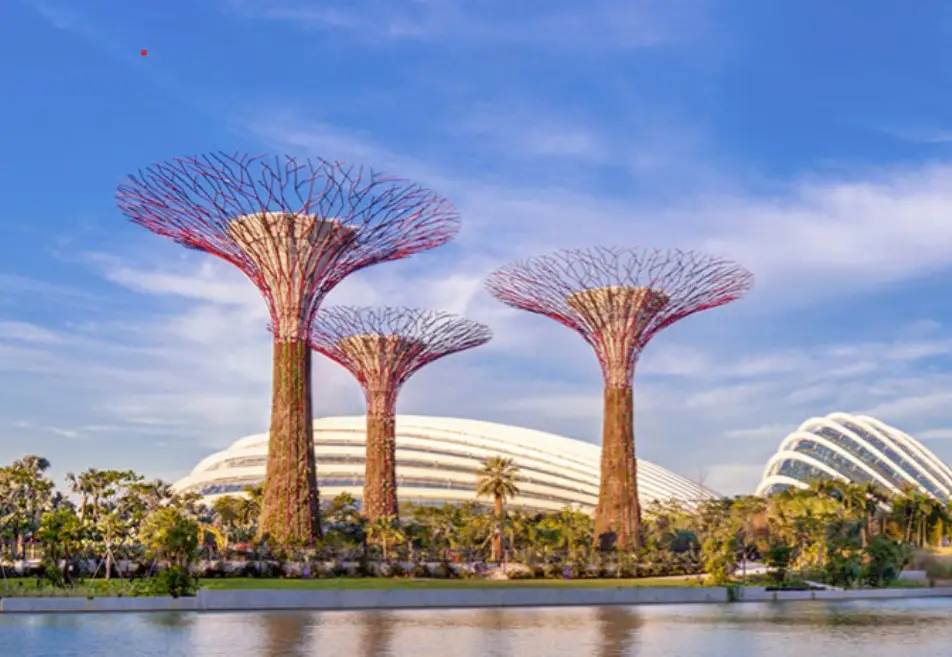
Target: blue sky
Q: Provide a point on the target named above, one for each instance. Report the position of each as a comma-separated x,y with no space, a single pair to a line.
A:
809,140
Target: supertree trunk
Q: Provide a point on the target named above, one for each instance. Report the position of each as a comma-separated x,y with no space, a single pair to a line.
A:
380,480
618,299
618,512
296,229
290,512
382,348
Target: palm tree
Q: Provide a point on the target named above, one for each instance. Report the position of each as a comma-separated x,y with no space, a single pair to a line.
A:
61,534
497,479
385,531
31,492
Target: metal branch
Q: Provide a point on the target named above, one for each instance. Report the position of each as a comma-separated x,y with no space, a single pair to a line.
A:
384,347
295,227
617,299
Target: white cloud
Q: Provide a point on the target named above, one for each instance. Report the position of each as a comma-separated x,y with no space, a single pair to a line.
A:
769,432
943,433
26,332
732,478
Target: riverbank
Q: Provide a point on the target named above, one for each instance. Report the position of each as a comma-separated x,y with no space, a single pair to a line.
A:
447,598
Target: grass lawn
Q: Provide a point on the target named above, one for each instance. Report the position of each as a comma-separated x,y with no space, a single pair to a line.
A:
28,587
236,583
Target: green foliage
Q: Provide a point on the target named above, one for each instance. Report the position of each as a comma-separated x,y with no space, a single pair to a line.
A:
170,534
884,562
174,581
843,569
844,554
720,533
778,557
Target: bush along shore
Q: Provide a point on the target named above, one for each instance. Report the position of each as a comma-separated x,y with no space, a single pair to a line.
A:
122,535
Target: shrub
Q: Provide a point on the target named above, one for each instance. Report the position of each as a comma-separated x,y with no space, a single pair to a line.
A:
175,581
843,569
397,570
778,557
522,574
884,561
443,571
419,570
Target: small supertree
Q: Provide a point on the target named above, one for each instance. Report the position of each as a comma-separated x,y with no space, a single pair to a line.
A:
296,228
383,348
617,299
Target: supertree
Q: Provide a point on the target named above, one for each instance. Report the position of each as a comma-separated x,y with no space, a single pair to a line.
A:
383,348
296,228
617,299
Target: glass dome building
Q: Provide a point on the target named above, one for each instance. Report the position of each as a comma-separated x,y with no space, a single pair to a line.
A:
859,449
437,460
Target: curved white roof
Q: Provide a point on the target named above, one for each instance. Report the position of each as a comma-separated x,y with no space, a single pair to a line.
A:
437,460
855,448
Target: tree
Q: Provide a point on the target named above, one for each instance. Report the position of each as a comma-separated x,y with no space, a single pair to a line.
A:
497,479
171,535
61,534
571,530
617,300
236,515
386,532
28,493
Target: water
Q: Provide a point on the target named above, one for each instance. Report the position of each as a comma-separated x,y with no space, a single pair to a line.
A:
919,628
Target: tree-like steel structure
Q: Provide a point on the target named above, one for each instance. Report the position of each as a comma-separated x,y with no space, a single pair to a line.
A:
383,348
296,228
617,299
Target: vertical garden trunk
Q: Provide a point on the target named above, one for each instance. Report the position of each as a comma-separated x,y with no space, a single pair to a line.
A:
618,513
380,478
290,511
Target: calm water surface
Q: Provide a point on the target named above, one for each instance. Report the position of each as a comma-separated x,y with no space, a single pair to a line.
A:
921,628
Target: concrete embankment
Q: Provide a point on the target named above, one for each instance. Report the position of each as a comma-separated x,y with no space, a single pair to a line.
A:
328,600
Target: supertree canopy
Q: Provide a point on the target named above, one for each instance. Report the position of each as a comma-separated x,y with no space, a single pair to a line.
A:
296,228
617,299
383,348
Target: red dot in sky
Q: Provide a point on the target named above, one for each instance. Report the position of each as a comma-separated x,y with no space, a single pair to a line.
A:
144,52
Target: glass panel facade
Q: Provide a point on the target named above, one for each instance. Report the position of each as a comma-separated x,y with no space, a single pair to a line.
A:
357,481
331,459
801,471
902,459
853,448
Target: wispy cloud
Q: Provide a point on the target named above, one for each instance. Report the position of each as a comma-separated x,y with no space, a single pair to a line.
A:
814,238
920,135
564,24
944,433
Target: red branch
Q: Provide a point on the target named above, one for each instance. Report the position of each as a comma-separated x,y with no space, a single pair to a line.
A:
307,223
617,299
384,347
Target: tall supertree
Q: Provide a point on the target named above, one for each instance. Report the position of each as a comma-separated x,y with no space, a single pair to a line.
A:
383,348
617,299
296,228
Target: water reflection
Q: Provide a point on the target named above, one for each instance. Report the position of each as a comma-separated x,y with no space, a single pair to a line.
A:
376,634
171,620
618,628
873,629
286,633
